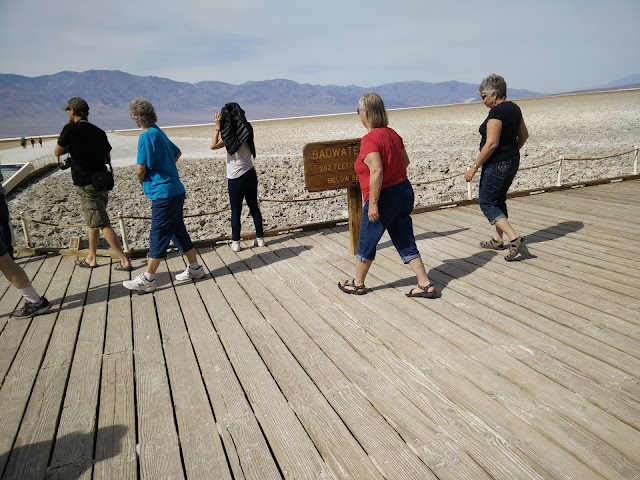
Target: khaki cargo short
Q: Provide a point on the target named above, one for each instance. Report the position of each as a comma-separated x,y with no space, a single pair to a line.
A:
94,206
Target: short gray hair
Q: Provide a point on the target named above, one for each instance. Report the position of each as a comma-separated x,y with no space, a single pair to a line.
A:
494,83
142,112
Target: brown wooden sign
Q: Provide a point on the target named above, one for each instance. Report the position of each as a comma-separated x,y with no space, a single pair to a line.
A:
329,165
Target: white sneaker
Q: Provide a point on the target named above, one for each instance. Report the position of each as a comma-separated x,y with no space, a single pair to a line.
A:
258,242
235,246
191,273
140,284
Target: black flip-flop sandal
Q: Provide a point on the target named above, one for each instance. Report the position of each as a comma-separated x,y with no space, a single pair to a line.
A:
424,293
357,289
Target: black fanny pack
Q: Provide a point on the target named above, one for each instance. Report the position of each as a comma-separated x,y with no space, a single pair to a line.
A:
103,181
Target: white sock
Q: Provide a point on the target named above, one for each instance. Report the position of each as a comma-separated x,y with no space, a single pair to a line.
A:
150,276
194,266
30,294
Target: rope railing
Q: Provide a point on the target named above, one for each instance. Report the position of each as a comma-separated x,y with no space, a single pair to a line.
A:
121,218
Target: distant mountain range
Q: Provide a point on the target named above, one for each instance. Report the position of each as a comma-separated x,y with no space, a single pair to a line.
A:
31,106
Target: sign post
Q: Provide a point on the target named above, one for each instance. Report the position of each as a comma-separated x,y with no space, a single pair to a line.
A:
329,166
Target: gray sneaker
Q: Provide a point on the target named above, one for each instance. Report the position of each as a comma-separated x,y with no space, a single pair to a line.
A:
191,274
32,309
140,284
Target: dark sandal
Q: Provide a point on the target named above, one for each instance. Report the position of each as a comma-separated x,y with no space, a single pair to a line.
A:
424,293
492,244
514,248
122,268
357,289
83,264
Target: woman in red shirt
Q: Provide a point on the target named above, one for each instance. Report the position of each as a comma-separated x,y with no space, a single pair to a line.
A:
388,199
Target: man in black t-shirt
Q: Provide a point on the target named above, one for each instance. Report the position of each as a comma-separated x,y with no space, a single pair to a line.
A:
89,150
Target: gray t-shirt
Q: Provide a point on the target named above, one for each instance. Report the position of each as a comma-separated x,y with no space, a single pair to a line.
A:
240,162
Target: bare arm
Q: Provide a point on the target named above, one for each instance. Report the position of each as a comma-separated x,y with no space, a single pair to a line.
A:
405,158
141,171
216,141
523,134
374,162
58,150
107,158
494,128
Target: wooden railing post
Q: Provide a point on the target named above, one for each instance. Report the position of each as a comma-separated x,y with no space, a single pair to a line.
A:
559,180
123,233
355,216
25,230
635,161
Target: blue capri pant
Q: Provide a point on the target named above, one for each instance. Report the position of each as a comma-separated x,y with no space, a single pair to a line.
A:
495,180
395,206
167,222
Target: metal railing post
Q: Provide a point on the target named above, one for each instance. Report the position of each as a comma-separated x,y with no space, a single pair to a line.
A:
559,181
123,233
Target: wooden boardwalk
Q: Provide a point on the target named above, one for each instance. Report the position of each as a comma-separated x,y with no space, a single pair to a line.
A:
265,370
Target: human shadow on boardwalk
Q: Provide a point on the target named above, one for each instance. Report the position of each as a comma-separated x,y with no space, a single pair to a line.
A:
62,458
450,269
554,232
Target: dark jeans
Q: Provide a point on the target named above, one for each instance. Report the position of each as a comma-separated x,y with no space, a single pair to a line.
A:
394,206
244,187
167,222
495,180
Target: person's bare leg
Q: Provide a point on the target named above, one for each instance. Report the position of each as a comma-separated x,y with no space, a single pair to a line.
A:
14,273
94,238
152,265
362,268
417,265
499,233
504,225
191,256
114,242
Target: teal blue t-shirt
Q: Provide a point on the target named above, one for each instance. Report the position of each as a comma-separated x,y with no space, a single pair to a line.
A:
158,154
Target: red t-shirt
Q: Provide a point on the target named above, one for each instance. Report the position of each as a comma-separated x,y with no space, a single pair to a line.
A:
389,145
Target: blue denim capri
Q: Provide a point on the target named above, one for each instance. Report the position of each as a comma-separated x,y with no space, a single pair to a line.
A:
395,206
167,222
495,180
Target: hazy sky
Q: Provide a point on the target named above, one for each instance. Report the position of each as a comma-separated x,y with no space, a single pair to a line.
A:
542,45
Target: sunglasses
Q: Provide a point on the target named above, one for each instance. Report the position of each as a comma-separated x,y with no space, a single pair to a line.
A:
485,95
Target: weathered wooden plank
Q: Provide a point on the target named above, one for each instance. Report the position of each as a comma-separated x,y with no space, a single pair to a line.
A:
419,389
291,317
33,444
72,456
246,448
115,455
12,332
460,391
592,450
295,452
334,440
199,439
158,446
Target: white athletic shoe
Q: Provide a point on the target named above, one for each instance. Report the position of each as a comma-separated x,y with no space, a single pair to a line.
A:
258,242
140,284
235,246
191,273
